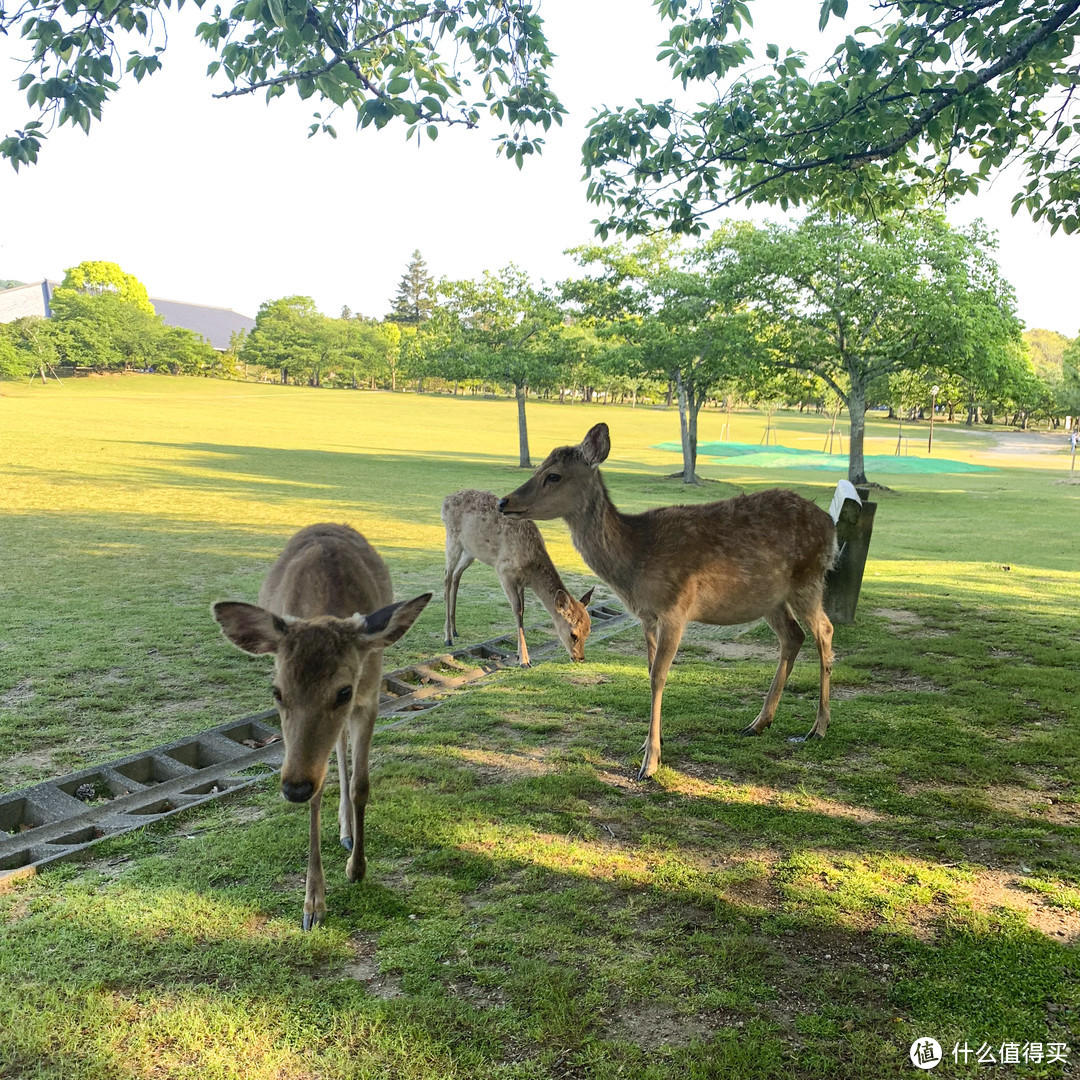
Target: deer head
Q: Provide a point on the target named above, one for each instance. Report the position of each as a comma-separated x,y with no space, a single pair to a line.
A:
555,490
317,665
573,622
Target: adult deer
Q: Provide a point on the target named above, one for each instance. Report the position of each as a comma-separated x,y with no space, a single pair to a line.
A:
476,530
327,674
760,555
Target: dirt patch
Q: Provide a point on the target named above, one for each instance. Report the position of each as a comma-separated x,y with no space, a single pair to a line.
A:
364,967
896,683
588,680
908,623
649,1026
479,997
997,889
740,650
495,765
1037,804
19,694
22,770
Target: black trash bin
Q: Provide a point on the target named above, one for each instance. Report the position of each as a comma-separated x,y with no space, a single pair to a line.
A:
854,524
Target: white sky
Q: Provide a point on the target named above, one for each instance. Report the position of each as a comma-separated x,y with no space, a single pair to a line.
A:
229,203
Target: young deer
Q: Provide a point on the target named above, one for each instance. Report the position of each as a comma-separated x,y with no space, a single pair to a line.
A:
760,555
327,673
476,530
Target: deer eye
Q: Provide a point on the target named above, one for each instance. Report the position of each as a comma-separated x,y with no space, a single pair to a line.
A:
276,691
552,478
344,695
573,637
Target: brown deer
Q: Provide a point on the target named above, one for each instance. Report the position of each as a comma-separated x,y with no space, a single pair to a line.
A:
760,555
327,673
476,530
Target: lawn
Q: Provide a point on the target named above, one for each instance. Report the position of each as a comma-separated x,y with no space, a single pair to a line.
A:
756,910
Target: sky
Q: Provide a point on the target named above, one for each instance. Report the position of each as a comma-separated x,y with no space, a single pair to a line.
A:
229,203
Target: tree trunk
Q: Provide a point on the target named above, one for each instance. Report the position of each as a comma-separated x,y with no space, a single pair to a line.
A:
688,416
856,406
523,431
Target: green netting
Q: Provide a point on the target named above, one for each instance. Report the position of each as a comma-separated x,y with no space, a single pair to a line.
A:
784,457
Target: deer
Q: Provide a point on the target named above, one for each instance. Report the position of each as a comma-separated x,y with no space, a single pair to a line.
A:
759,555
326,613
476,530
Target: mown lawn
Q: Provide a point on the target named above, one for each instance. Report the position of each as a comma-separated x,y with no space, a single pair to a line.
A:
756,910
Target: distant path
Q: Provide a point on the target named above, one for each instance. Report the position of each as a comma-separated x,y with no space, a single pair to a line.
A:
1016,443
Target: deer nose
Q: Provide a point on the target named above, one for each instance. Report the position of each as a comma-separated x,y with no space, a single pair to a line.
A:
297,792
502,504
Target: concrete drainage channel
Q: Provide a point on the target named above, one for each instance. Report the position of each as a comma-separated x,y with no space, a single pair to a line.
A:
59,819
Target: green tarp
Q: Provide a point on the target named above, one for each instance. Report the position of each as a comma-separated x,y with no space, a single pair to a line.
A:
784,457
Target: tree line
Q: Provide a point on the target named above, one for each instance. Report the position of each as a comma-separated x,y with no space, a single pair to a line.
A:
830,314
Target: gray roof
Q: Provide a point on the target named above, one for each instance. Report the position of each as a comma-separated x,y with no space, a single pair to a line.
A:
215,324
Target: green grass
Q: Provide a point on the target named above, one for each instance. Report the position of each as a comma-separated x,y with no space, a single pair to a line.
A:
756,910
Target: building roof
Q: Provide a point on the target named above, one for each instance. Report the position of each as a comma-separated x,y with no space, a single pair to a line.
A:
215,324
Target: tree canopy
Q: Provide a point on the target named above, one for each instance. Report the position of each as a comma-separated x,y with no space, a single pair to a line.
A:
929,98
427,64
855,305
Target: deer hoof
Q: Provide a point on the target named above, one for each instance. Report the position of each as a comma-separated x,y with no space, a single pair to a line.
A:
647,769
449,641
808,737
749,731
311,920
346,843
356,867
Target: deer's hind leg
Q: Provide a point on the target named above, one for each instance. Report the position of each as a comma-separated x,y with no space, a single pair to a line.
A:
458,560
791,638
822,630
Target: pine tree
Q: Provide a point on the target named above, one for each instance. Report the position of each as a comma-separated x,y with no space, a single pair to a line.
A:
414,296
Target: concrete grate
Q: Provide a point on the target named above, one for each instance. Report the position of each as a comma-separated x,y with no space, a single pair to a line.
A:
59,819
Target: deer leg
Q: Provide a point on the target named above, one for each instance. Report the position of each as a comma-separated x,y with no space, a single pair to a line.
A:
515,593
791,638
361,725
822,631
668,637
650,642
315,890
458,560
344,815
650,652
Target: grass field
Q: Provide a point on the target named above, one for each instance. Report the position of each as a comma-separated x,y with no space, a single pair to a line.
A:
756,910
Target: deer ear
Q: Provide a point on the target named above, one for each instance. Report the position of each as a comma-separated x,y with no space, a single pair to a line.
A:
596,445
563,603
385,626
251,628
584,601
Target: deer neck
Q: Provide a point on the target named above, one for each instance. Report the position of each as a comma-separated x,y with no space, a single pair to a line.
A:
543,579
602,536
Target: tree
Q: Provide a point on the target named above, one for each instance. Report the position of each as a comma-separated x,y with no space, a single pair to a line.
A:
14,362
284,338
492,328
932,98
687,313
103,329
415,295
98,278
857,304
412,60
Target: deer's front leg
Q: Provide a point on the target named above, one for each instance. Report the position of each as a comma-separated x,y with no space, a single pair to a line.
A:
361,725
668,637
515,593
345,817
315,891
